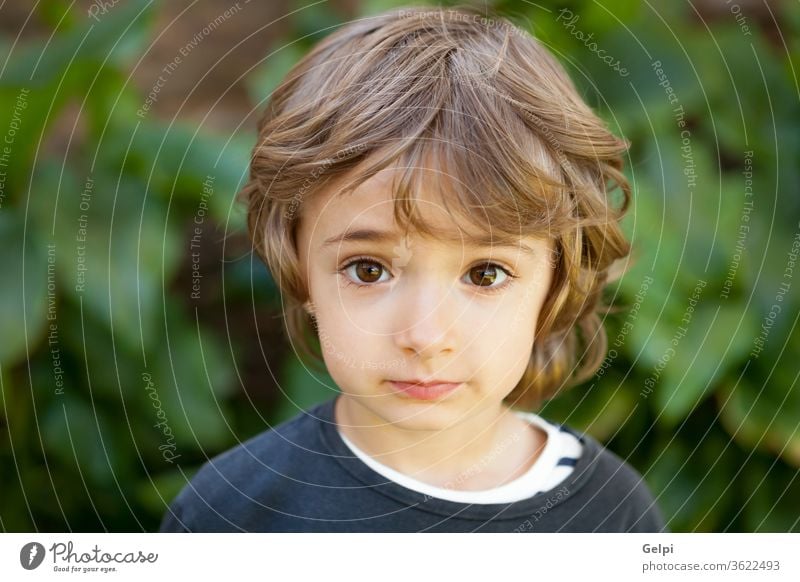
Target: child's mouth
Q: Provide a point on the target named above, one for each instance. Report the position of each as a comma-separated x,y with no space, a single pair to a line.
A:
425,391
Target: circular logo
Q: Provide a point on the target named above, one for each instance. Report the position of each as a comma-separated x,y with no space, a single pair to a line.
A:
31,555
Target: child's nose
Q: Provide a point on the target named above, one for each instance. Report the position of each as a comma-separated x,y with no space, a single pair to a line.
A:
426,319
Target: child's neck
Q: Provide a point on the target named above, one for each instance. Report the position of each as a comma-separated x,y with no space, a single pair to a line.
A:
483,452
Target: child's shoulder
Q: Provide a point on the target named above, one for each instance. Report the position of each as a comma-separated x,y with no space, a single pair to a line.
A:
614,485
272,444
254,469
606,464
613,467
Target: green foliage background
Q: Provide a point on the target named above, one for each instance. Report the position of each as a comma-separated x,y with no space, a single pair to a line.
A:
716,436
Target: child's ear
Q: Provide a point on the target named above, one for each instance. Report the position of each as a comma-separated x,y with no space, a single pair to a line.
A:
309,307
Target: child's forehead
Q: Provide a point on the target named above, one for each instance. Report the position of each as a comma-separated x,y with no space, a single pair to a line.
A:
434,228
430,191
437,215
419,200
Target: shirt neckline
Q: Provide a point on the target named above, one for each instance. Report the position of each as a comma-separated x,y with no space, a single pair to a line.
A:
376,482
510,491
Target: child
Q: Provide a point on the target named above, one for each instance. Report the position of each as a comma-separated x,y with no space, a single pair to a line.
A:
432,196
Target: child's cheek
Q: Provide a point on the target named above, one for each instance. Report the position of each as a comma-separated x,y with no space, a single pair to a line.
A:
348,342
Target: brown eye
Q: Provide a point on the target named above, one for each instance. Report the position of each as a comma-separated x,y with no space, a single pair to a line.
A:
364,271
368,272
484,275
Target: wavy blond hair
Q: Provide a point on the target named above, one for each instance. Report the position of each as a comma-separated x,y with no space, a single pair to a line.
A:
497,115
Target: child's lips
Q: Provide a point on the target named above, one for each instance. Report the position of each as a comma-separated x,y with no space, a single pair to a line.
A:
424,390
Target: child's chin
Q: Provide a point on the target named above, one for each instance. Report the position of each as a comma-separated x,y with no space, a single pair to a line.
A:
422,415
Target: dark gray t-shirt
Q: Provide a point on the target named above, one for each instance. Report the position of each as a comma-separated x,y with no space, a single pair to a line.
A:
300,476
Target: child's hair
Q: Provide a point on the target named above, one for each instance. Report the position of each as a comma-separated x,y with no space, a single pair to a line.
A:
518,151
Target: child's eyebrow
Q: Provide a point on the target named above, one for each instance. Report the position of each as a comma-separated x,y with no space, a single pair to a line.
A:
380,236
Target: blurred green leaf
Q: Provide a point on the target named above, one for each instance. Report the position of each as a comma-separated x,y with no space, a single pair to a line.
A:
28,270
79,436
39,65
715,342
599,407
302,387
271,71
192,376
130,249
687,479
159,491
178,160
763,417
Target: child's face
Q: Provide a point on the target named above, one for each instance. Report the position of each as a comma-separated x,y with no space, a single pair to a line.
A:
415,308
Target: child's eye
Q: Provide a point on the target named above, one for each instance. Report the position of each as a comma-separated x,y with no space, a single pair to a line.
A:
485,275
366,271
